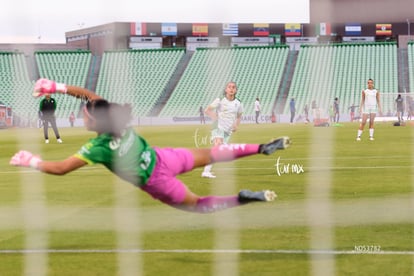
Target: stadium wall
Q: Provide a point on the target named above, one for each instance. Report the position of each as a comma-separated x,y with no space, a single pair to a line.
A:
366,11
115,36
166,121
29,49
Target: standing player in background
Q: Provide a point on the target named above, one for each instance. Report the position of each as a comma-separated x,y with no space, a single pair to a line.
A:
202,118
410,107
292,108
226,115
47,112
315,111
128,155
370,105
306,112
399,101
257,109
352,112
336,110
72,119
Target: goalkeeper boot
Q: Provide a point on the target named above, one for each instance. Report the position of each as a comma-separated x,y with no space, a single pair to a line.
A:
277,144
246,196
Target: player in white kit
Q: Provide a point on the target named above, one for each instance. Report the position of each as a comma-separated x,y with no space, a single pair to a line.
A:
226,114
370,105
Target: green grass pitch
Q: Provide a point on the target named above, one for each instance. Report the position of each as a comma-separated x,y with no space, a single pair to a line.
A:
358,194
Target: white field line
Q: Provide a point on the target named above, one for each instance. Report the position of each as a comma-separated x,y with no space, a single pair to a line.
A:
346,212
203,251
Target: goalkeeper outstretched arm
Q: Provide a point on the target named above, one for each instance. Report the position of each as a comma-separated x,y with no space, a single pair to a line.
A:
83,93
45,86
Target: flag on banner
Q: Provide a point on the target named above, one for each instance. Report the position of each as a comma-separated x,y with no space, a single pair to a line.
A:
292,29
230,29
383,29
138,28
169,29
323,29
200,29
261,29
352,29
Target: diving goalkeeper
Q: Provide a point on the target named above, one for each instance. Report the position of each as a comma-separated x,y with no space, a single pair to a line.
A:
120,149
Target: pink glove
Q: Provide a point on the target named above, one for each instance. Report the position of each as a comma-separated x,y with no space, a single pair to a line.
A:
25,159
45,86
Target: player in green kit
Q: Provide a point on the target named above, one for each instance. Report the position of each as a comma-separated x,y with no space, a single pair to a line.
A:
120,149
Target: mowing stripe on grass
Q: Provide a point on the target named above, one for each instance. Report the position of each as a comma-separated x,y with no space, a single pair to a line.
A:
202,251
412,180
319,205
370,211
127,218
307,168
33,206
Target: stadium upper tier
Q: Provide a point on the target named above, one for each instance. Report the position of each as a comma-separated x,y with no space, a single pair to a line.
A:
138,77
256,70
71,67
143,77
325,72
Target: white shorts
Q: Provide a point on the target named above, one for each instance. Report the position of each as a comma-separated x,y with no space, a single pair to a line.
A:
219,133
370,110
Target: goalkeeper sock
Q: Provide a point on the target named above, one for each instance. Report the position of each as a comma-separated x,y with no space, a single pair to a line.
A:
227,152
211,204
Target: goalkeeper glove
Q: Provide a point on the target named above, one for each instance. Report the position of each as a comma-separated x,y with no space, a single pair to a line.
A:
45,86
25,159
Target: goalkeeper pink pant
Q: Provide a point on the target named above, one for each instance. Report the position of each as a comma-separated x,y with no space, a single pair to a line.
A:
163,184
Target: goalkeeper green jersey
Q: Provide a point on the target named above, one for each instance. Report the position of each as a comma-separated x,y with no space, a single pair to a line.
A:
130,157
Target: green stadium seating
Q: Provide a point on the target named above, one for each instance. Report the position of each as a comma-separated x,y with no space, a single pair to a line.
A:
71,67
16,87
256,70
138,77
410,51
324,72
